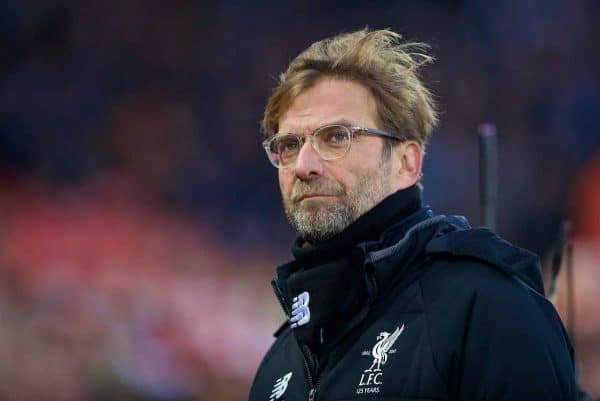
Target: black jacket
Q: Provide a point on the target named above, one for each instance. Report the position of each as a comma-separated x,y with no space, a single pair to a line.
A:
422,308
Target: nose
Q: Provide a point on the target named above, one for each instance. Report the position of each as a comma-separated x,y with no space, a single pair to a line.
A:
309,164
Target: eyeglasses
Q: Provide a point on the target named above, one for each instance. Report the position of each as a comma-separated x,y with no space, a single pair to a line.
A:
330,142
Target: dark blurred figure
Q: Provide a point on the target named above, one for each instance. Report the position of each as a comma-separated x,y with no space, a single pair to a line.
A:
580,308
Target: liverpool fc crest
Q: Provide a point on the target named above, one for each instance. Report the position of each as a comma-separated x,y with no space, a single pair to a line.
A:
372,377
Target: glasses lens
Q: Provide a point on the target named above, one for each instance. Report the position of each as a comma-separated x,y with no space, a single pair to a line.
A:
332,141
283,149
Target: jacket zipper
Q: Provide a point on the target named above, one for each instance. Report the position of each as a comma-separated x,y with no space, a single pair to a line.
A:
310,368
306,353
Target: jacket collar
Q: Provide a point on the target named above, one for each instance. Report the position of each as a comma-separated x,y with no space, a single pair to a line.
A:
368,228
331,282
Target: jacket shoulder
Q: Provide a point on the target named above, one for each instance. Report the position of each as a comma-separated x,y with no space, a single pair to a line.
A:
485,324
463,277
283,359
281,337
465,284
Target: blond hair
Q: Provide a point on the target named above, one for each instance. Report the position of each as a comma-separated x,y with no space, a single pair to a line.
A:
381,61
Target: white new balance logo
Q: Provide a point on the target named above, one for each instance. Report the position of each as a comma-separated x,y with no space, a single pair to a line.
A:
280,386
300,311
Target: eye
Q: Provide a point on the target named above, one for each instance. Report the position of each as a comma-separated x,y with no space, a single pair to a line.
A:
285,144
337,135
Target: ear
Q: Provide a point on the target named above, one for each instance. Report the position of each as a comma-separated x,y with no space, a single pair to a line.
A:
407,163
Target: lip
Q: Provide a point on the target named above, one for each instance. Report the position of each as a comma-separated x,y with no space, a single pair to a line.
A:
313,196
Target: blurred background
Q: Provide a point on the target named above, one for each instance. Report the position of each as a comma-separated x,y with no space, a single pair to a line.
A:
140,221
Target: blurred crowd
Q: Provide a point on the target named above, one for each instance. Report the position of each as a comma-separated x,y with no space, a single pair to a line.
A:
103,297
140,220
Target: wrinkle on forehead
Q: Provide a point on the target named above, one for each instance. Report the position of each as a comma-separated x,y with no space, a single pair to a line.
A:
328,102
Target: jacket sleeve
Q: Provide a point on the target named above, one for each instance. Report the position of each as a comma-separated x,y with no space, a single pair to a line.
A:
495,339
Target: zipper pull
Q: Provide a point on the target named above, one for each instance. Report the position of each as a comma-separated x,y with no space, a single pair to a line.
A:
311,394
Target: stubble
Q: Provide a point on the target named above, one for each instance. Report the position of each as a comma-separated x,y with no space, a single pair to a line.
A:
318,221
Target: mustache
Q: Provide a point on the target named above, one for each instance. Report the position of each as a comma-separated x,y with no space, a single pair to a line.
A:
302,188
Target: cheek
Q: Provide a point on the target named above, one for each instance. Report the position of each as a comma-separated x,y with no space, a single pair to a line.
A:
349,173
285,182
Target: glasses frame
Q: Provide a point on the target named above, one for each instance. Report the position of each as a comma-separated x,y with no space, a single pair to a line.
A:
302,139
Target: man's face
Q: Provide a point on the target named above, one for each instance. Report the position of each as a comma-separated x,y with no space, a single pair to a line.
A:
322,197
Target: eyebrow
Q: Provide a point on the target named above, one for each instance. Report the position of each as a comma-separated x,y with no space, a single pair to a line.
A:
341,121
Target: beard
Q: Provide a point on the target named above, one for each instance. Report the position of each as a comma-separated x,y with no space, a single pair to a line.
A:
318,221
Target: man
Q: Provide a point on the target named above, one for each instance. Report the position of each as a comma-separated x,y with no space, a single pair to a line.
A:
386,300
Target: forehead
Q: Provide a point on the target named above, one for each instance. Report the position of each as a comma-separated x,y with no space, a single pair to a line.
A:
330,100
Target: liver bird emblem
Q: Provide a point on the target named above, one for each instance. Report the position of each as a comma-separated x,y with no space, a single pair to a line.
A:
382,347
